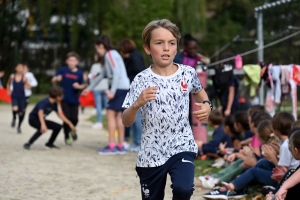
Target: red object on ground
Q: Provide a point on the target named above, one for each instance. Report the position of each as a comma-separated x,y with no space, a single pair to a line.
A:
3,95
87,100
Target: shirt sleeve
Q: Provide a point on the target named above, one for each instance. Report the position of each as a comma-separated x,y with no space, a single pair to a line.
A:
95,81
32,81
285,158
132,94
41,106
255,143
80,78
115,63
196,85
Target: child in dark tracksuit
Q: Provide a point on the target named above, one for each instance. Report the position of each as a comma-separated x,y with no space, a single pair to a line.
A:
71,80
215,120
40,111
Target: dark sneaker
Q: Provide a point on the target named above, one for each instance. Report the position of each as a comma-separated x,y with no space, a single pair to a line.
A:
227,194
73,135
108,151
121,150
19,130
68,141
51,146
13,123
26,146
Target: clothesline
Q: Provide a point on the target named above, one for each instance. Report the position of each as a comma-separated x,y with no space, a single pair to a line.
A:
256,49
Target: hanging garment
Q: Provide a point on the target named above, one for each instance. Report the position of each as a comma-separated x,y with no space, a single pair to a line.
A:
285,82
252,77
294,80
275,72
266,75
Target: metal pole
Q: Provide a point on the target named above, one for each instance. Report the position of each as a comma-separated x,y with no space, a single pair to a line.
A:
260,52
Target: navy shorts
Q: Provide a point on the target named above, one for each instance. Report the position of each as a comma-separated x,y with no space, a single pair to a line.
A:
117,102
21,103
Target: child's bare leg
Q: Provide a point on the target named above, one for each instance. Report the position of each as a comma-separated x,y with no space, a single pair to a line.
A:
121,128
111,125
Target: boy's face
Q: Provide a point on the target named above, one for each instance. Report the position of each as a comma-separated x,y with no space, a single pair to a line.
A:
191,48
20,68
163,47
100,49
25,69
72,62
59,98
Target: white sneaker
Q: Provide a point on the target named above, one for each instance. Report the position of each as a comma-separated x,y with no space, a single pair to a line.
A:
97,125
219,163
126,145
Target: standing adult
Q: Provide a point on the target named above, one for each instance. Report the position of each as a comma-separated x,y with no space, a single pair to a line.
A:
134,63
99,90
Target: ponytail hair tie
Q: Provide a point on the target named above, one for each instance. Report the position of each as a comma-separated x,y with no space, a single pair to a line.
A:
272,135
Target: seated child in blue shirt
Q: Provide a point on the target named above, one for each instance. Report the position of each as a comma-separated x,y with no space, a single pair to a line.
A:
215,120
39,113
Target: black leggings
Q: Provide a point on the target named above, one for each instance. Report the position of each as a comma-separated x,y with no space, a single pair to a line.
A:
71,113
34,122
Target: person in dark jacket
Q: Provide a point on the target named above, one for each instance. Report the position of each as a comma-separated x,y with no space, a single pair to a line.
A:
134,63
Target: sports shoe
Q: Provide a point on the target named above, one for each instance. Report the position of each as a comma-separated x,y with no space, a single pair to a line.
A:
51,146
126,145
208,182
218,163
121,150
68,141
227,194
267,189
97,125
73,135
108,151
134,147
13,123
19,130
26,146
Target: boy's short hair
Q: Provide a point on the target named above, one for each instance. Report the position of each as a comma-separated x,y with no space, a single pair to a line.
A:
73,54
127,46
55,91
255,108
160,23
258,116
283,122
242,118
296,124
215,117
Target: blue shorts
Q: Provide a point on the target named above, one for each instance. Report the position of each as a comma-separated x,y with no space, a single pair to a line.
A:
20,103
117,102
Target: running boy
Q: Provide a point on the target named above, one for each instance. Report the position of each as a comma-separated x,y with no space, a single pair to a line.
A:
18,82
161,92
40,111
71,80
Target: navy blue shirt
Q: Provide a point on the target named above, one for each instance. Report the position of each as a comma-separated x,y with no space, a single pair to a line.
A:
71,95
44,105
219,136
248,134
235,103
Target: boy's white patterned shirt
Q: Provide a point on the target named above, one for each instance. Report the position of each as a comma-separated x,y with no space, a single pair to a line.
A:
166,128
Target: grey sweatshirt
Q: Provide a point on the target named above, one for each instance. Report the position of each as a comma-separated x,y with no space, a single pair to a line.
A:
114,69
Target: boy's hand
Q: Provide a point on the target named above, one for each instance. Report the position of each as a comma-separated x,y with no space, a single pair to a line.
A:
248,151
280,194
110,95
85,92
72,127
203,113
269,152
76,85
44,128
199,143
231,157
227,112
222,146
8,92
58,78
147,94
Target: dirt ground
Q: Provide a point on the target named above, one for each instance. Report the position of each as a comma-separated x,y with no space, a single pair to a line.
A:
75,172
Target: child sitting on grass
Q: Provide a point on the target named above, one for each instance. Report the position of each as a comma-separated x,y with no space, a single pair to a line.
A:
211,148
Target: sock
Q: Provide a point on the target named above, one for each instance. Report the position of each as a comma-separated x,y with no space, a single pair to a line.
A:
21,117
111,145
120,146
14,115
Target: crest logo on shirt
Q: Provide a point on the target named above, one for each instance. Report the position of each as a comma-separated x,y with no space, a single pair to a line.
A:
184,85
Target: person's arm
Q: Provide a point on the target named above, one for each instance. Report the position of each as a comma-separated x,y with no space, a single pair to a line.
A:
289,183
62,116
246,142
11,77
42,121
115,63
32,80
230,100
27,84
95,82
58,76
204,111
80,85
